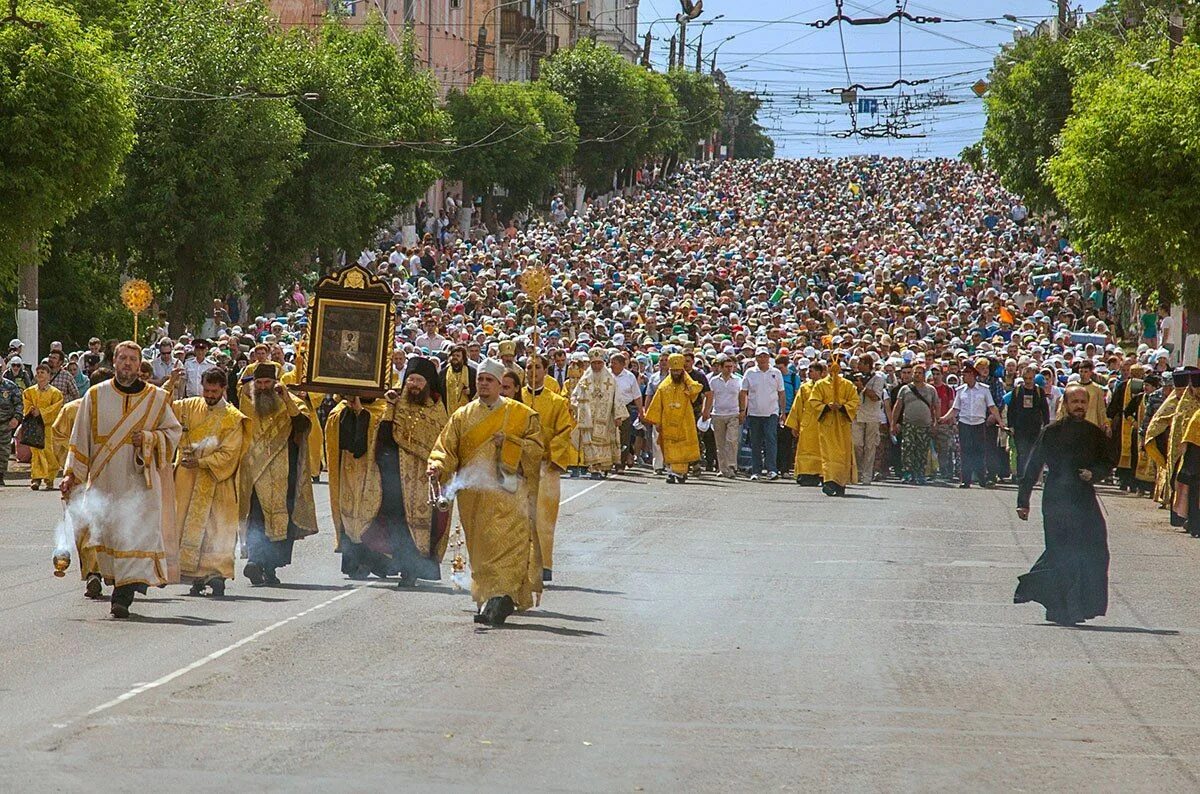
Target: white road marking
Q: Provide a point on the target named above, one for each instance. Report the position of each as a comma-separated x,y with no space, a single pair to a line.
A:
581,493
169,677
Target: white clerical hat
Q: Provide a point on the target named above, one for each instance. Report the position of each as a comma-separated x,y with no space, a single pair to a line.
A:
490,366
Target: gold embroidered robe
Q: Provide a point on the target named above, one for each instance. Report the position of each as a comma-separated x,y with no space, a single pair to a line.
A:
128,495
833,427
802,418
206,504
49,402
501,539
61,438
264,470
670,411
316,436
594,404
554,415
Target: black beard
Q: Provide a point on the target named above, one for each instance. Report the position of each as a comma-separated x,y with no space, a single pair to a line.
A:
211,403
417,398
677,377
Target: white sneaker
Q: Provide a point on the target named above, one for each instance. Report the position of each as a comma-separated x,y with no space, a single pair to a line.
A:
773,476
753,477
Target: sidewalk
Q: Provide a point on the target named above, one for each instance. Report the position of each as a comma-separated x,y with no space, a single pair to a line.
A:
17,472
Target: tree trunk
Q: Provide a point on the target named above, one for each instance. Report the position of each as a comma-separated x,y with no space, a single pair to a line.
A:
27,299
185,294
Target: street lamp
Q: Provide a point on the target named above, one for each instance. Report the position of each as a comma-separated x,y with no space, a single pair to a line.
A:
716,49
700,41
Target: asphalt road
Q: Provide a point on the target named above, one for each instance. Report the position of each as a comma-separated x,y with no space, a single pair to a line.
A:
706,637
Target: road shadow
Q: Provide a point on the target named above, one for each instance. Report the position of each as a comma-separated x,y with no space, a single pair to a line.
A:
178,620
561,631
540,613
1125,630
849,495
151,600
569,588
263,599
423,587
296,586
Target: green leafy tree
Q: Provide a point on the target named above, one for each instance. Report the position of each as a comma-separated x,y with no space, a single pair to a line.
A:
66,122
662,130
608,97
700,106
972,155
1128,172
351,178
514,135
212,146
741,133
1028,101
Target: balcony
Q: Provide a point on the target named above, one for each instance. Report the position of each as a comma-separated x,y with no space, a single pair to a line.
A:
514,25
544,44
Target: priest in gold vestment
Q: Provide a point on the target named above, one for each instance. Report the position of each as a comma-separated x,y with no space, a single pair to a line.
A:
835,402
802,420
494,446
42,399
554,415
598,416
457,380
206,505
378,452
275,497
119,464
674,420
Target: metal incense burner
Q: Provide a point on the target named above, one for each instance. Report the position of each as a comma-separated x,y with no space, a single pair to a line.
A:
62,561
436,497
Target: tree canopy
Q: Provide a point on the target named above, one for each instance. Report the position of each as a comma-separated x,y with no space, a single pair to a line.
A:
66,123
1128,172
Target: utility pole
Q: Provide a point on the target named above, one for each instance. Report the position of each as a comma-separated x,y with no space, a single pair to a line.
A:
1175,29
671,60
646,51
699,44
1063,8
682,40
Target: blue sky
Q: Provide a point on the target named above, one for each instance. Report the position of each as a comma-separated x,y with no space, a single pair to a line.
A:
791,64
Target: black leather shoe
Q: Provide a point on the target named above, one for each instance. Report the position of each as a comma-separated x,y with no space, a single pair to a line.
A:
254,572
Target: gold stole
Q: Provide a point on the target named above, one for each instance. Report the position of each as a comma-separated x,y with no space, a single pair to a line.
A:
456,384
497,419
105,446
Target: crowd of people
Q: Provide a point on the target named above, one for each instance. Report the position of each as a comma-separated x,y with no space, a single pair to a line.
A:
833,322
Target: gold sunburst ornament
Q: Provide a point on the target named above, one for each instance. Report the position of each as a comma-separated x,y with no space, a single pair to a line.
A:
535,283
137,297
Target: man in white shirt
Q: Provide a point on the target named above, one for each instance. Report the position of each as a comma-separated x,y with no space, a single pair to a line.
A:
864,431
629,394
430,339
763,385
164,362
196,366
728,413
973,406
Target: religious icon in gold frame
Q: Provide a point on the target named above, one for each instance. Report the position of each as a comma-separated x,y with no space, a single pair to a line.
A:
351,331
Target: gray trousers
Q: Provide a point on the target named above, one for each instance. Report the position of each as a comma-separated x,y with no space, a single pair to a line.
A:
6,437
727,431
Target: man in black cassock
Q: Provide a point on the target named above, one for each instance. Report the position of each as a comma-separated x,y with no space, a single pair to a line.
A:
1070,579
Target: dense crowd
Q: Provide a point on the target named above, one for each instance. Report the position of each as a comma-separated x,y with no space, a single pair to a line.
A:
957,317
